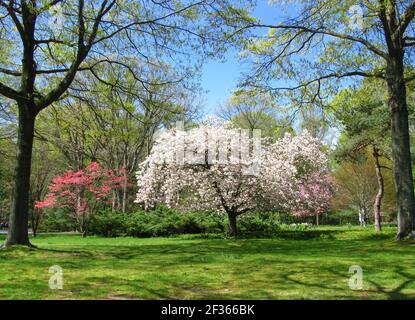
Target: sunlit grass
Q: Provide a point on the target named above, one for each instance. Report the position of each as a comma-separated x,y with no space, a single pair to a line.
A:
291,265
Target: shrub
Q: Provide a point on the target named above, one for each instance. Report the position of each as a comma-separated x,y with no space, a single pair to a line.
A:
57,220
108,224
164,222
267,222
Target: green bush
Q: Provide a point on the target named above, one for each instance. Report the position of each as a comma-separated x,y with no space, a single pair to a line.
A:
57,220
108,224
163,221
159,222
267,222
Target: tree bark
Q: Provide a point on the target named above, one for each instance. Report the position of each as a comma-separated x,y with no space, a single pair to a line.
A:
124,189
233,228
402,167
124,198
19,216
362,216
379,195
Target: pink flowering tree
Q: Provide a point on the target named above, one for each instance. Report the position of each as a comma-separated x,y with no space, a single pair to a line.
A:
215,166
314,196
82,191
296,176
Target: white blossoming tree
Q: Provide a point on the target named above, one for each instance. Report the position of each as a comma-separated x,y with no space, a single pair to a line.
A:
215,166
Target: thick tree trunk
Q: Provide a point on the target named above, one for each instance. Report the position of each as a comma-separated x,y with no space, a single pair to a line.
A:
233,228
379,195
19,215
18,223
402,167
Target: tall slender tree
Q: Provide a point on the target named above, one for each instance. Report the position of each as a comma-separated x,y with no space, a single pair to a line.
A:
364,118
320,44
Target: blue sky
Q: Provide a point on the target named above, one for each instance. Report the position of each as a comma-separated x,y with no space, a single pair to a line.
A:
219,79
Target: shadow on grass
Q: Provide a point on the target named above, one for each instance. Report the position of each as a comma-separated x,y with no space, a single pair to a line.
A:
391,294
282,234
252,265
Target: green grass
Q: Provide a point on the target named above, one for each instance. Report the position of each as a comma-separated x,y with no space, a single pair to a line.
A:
292,265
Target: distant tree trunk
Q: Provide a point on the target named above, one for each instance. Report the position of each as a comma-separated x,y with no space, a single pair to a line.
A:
402,166
113,201
379,195
83,226
317,222
362,215
124,197
233,228
34,223
124,189
19,216
33,215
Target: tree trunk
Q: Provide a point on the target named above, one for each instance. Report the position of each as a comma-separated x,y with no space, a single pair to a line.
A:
233,228
317,222
402,167
113,201
19,216
124,198
379,195
124,189
362,216
34,229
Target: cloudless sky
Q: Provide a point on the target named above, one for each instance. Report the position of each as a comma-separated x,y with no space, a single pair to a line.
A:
219,79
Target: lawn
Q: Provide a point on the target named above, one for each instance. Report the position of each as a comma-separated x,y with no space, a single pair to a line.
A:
291,265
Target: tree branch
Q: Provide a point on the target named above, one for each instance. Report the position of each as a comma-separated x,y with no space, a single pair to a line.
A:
366,43
82,52
406,18
11,93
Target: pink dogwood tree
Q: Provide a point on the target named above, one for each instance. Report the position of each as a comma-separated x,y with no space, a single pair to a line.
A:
314,196
216,166
83,190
